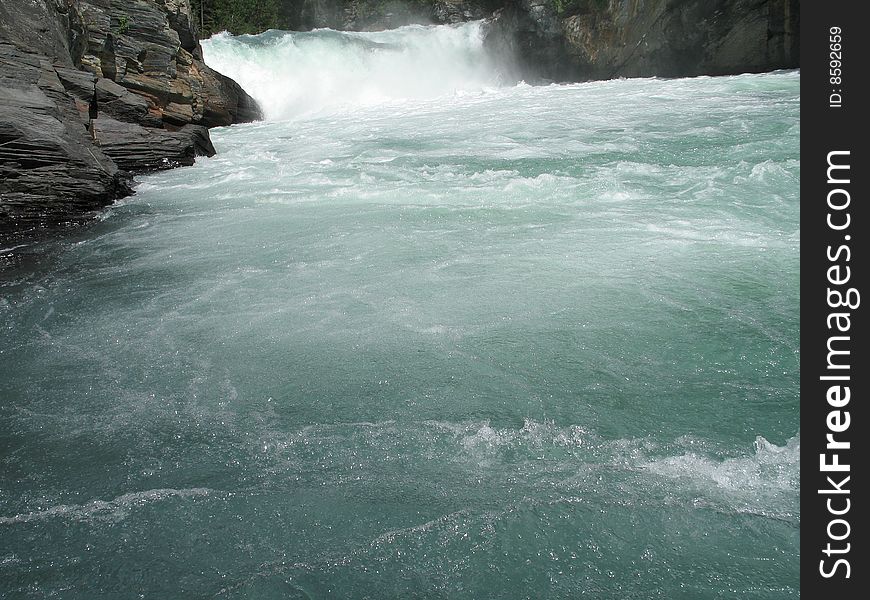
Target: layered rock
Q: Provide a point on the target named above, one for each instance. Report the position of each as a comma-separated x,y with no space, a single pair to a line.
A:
136,148
50,170
151,48
156,100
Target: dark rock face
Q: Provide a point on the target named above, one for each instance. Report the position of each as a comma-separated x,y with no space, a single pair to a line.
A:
224,101
156,100
136,148
531,32
49,27
603,39
50,171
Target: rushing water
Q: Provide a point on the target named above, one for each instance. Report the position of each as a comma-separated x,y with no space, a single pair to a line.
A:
421,334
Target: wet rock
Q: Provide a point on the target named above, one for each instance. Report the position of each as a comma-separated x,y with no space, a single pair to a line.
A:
140,149
49,169
156,100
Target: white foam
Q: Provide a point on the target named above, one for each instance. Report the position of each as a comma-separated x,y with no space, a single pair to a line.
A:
764,482
294,74
115,509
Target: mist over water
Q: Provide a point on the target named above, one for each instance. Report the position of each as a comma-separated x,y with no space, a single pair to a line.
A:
424,332
298,74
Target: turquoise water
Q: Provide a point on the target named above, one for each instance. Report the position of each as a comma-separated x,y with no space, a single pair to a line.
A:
472,341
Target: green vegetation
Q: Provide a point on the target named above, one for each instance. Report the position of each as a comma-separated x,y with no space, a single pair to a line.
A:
244,16
123,24
255,16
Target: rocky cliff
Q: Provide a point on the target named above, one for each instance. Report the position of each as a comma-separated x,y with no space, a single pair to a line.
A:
576,40
156,100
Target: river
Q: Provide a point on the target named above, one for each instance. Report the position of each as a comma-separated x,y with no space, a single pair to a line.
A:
427,332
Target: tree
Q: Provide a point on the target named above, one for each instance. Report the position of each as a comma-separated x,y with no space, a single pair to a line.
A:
240,16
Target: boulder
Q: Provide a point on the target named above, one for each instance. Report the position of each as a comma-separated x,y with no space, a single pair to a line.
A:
140,149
